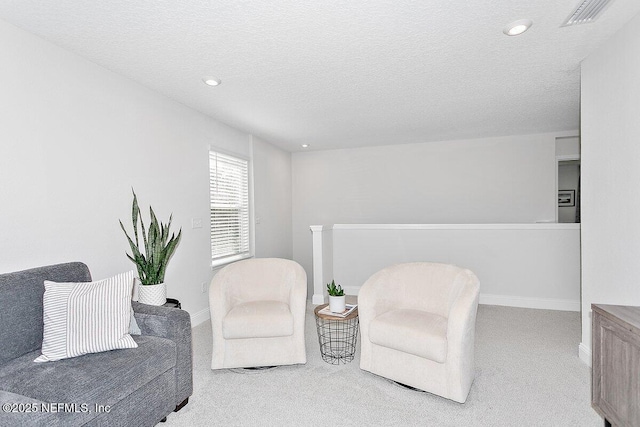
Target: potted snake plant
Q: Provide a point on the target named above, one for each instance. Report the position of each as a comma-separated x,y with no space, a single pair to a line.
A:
151,254
336,297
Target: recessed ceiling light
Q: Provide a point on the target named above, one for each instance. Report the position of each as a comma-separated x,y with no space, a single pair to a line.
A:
517,27
305,145
211,81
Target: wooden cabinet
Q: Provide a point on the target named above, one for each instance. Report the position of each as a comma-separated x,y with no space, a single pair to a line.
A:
615,381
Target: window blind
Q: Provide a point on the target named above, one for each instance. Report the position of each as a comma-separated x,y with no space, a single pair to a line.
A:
229,191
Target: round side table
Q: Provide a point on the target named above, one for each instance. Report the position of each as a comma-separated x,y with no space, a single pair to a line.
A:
337,336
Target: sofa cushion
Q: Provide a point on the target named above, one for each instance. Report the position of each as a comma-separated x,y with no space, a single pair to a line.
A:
21,305
98,378
258,319
415,332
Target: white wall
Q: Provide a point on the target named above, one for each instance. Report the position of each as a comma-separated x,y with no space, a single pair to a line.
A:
568,146
75,138
490,180
272,196
520,265
610,133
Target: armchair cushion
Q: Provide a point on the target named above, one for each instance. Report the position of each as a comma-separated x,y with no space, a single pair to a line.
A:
415,332
258,319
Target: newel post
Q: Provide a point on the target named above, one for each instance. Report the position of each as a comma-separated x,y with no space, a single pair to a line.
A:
322,261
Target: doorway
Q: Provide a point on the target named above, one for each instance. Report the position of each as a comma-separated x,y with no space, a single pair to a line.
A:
568,207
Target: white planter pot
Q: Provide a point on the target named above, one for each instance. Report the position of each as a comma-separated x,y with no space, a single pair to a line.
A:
152,294
337,304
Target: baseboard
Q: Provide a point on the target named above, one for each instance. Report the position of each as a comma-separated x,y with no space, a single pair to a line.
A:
200,317
523,302
584,353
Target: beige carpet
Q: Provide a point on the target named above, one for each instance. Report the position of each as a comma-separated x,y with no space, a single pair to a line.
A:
527,374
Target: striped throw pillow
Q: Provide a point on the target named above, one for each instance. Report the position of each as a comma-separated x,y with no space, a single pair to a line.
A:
86,317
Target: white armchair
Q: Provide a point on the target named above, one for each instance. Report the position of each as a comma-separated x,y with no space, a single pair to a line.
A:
417,323
257,314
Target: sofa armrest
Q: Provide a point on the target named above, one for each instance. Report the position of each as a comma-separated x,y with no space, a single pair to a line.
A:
173,324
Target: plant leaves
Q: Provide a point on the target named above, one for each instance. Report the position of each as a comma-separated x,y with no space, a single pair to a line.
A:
135,211
158,247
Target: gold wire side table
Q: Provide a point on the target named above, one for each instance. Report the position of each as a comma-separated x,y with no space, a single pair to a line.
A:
337,336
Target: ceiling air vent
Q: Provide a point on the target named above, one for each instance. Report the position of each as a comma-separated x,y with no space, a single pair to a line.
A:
586,12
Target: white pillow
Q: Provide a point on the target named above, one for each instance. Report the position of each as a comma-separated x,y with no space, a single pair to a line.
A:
86,317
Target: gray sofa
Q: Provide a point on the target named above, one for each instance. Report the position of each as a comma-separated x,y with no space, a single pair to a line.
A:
129,387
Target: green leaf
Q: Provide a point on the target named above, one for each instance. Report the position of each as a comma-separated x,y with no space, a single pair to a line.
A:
158,247
334,290
135,212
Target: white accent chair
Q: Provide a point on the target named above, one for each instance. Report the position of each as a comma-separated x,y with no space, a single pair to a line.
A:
417,323
257,314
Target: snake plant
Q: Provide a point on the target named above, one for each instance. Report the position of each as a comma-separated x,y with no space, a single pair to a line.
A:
152,257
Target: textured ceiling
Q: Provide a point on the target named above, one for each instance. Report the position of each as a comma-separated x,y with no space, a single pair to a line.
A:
338,73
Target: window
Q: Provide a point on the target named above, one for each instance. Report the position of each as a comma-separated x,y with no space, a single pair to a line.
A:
229,190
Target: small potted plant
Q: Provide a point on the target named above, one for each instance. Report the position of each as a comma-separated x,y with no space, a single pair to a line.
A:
336,297
151,255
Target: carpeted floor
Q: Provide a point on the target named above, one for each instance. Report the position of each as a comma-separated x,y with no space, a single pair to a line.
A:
527,374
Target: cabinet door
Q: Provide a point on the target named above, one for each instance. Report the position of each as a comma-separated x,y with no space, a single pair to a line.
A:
616,382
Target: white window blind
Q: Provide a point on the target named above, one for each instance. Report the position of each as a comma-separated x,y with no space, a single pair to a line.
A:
229,189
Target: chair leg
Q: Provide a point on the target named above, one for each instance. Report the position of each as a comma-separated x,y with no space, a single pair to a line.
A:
164,420
181,405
